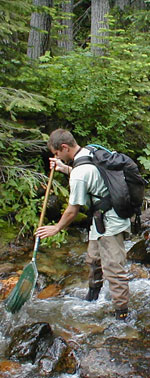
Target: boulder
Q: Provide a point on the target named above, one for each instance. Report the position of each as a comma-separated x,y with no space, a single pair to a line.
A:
36,344
49,291
7,285
58,359
6,268
30,342
9,366
117,358
138,252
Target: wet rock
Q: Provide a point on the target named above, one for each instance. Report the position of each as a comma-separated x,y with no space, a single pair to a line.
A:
29,342
36,344
138,252
41,282
144,319
118,358
145,219
5,269
15,248
7,285
46,269
58,359
137,271
100,364
49,291
9,366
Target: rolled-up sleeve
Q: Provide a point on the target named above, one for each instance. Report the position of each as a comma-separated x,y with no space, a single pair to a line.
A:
78,192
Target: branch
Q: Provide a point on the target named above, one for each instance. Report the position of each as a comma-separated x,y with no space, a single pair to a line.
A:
80,20
78,3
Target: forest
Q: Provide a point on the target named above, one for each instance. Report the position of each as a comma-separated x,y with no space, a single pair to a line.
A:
77,64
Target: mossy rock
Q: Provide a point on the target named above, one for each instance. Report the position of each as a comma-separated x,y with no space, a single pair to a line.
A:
7,234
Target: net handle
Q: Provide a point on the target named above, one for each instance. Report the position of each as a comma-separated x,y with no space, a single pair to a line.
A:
46,197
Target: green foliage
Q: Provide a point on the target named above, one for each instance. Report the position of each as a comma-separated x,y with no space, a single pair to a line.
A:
145,161
20,101
22,175
101,99
14,20
18,200
58,188
104,100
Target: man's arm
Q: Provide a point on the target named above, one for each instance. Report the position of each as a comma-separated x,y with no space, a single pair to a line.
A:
68,216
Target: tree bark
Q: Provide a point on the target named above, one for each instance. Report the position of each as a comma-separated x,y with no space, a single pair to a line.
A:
99,9
136,4
122,3
38,41
66,34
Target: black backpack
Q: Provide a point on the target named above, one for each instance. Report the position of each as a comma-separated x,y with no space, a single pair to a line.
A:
122,178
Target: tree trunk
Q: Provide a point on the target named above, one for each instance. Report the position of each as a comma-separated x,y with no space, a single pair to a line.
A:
99,9
38,41
66,34
138,4
122,3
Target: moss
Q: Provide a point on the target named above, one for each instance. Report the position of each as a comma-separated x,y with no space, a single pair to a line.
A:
80,218
7,233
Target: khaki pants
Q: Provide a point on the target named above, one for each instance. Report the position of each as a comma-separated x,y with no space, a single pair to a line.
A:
109,254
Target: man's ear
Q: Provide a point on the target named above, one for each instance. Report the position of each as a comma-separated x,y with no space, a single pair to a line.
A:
65,146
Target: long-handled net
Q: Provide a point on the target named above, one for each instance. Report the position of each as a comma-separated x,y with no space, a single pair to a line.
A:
27,281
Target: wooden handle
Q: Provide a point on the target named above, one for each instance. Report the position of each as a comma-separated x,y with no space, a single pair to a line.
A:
46,197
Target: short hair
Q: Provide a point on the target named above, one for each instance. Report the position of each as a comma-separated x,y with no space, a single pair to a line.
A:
60,136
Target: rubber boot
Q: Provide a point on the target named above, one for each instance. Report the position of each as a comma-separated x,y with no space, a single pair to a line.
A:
122,314
95,282
93,294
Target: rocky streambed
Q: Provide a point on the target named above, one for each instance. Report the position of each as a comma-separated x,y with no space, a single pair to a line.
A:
60,335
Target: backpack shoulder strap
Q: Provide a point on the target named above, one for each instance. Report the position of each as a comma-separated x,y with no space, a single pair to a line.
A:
82,160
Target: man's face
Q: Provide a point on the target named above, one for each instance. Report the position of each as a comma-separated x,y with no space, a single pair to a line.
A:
62,154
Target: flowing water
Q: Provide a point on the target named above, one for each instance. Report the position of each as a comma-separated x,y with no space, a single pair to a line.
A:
87,327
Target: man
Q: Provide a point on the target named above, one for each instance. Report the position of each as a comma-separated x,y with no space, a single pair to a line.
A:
106,254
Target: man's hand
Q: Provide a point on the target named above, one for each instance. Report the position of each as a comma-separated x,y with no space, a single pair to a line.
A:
59,165
67,217
46,231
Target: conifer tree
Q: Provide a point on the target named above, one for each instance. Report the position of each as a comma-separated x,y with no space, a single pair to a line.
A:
39,36
99,11
65,38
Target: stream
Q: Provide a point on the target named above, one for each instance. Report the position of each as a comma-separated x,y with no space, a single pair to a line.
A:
101,346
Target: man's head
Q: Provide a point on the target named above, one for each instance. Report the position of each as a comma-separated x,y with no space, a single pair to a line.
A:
62,144
59,137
